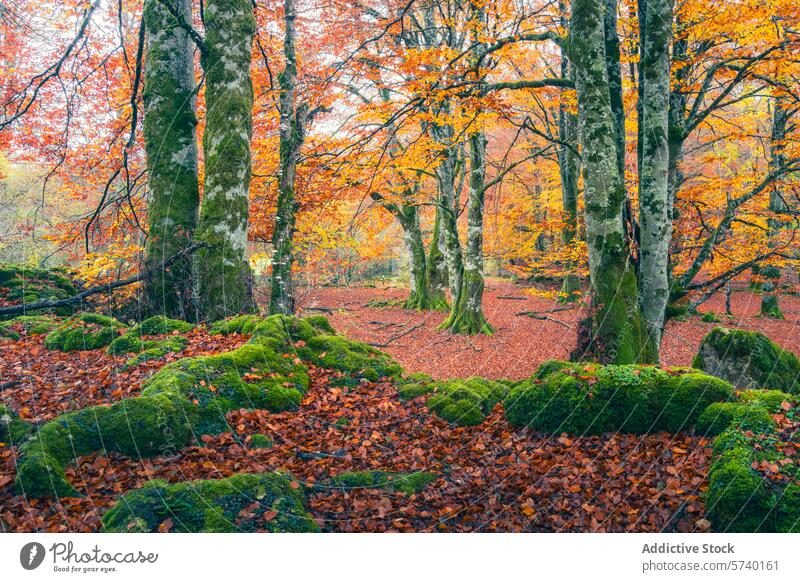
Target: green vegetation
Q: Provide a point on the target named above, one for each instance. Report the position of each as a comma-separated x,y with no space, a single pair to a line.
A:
408,483
261,441
23,285
710,317
160,325
592,399
721,415
87,331
218,505
462,401
12,429
748,359
34,324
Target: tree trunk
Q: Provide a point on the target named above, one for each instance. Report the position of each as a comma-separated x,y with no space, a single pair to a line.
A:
466,314
224,276
291,139
655,227
616,332
568,170
771,274
422,295
611,39
171,147
436,264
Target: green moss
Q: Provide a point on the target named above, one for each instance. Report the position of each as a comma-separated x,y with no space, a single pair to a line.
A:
771,400
7,332
218,505
737,499
787,518
260,441
87,331
244,324
20,284
465,402
408,483
719,416
34,324
137,427
160,325
157,349
355,360
12,429
710,317
342,422
748,359
592,399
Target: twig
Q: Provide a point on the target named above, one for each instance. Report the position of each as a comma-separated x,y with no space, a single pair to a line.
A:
553,319
106,288
555,310
398,336
327,310
512,297
9,384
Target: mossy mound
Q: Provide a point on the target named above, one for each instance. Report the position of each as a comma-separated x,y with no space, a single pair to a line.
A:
710,317
34,324
244,324
408,483
748,359
8,333
160,325
87,331
593,399
23,285
137,427
270,502
157,349
260,441
462,401
12,429
719,416
772,400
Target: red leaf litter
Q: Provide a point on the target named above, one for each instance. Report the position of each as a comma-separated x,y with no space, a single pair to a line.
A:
490,477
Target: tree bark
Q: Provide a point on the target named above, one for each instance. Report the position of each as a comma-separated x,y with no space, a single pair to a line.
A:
655,226
171,146
292,134
616,332
224,275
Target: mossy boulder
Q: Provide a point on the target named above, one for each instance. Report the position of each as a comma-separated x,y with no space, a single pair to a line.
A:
8,333
136,427
23,285
160,325
771,400
260,441
244,324
34,324
465,401
748,359
87,331
12,428
270,502
593,399
719,416
408,483
157,349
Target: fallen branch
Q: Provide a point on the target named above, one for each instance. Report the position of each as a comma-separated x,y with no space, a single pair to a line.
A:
328,310
534,314
512,297
553,319
398,336
10,384
105,288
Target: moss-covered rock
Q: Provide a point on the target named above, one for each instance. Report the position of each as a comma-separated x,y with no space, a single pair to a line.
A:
269,502
737,499
244,324
8,333
465,401
12,429
408,483
260,441
23,285
87,331
593,399
771,400
34,324
160,325
719,416
710,317
157,349
137,427
748,359
355,360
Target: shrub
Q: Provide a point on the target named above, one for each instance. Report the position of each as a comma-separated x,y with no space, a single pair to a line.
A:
748,359
215,505
592,399
87,331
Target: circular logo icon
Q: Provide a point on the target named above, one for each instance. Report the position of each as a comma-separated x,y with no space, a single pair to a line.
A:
31,555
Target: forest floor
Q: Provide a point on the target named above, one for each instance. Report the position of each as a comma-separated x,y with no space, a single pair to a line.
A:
490,477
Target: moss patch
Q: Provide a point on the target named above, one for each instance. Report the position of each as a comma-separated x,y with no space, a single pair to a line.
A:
260,441
160,325
12,429
408,483
34,324
719,416
21,285
87,331
748,359
269,502
592,399
467,401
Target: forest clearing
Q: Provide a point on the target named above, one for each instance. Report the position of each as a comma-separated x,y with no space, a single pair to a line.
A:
423,266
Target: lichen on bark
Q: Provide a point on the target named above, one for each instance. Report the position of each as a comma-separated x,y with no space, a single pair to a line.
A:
223,273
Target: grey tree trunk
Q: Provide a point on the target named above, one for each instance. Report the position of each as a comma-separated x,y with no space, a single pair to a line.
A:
612,60
615,332
292,134
436,263
771,274
171,146
224,276
466,314
655,226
